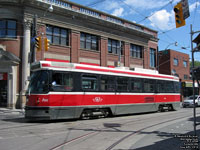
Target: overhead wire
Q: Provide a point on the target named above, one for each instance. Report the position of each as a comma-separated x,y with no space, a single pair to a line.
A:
195,11
132,8
94,3
147,17
156,11
161,32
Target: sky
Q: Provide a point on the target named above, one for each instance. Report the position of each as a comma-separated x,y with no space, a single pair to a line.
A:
157,15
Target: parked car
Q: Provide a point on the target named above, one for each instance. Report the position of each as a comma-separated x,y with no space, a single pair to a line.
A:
188,102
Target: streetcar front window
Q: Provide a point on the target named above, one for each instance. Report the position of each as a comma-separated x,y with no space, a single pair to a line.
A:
39,82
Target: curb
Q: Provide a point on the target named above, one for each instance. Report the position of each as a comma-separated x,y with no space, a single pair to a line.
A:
11,111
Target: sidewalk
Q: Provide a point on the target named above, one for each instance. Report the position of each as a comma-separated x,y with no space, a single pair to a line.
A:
11,111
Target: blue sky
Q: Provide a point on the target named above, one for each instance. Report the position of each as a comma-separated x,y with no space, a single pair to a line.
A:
157,15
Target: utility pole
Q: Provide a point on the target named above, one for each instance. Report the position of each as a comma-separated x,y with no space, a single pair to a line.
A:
193,86
193,77
34,34
119,54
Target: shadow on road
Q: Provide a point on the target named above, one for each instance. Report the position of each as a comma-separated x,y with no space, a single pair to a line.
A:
165,140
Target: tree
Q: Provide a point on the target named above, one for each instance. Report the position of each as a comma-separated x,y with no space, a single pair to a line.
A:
196,63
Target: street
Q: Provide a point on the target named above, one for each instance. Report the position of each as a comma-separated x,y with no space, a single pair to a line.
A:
153,131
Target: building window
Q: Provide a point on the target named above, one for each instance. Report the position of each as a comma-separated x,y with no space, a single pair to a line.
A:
8,28
185,64
57,35
185,76
152,58
114,46
89,41
136,51
175,62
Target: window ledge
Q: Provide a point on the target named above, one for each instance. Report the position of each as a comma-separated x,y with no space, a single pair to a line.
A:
8,39
115,54
136,58
66,46
90,50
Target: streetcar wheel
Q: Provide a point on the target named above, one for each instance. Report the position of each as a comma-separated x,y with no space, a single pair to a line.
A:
170,108
160,108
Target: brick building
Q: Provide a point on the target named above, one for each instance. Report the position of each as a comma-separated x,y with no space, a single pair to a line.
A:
77,34
174,63
177,63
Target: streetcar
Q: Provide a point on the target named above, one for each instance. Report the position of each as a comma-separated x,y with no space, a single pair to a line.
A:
60,90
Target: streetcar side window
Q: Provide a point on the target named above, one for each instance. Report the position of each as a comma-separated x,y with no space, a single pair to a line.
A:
177,87
149,86
122,84
89,82
62,82
161,86
136,85
169,86
107,83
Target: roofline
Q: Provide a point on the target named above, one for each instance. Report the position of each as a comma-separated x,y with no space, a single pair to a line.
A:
111,15
173,51
103,13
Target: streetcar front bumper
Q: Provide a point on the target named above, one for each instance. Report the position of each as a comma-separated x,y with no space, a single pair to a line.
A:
37,113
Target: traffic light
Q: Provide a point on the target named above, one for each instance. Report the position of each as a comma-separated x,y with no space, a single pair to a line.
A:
179,19
38,43
183,84
46,44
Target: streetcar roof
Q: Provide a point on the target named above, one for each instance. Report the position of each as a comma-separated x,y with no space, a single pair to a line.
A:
122,71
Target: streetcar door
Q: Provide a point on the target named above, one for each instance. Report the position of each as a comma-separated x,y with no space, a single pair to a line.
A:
90,88
122,88
108,86
62,97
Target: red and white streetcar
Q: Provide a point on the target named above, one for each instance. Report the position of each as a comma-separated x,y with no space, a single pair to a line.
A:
59,90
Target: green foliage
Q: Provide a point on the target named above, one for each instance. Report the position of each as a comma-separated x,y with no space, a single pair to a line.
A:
196,64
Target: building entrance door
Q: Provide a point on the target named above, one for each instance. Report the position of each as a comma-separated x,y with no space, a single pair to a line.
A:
3,90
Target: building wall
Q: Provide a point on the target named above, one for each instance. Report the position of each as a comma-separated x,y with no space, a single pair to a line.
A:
166,63
76,20
180,69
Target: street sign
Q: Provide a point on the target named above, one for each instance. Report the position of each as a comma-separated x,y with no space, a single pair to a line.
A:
185,7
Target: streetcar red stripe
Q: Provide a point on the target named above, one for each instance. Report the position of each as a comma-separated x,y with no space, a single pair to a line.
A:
94,100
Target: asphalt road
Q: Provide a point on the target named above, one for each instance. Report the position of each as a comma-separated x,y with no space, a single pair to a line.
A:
152,131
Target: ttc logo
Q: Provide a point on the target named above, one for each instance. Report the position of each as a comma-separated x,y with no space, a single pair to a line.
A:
97,99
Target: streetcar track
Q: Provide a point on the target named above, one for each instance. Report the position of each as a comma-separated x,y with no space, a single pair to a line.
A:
138,131
126,121
73,140
123,138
